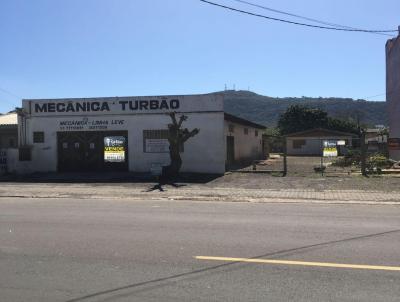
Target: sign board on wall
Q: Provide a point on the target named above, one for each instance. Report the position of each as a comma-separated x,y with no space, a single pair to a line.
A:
83,124
3,162
124,105
159,145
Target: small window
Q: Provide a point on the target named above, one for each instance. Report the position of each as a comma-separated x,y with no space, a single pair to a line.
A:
246,131
231,128
38,137
24,154
298,143
256,132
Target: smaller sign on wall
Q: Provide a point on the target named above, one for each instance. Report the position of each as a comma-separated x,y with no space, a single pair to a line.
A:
89,124
3,162
153,145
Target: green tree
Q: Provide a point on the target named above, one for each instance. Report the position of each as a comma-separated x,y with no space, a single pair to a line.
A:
300,118
341,125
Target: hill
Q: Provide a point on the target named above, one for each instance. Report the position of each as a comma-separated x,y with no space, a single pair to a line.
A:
266,110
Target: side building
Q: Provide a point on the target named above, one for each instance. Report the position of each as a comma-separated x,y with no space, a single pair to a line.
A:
130,134
393,95
8,130
8,141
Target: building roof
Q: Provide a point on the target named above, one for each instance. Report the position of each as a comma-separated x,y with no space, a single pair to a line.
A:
320,132
8,120
238,120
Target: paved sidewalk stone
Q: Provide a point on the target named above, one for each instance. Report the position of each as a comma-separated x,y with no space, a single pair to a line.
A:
195,192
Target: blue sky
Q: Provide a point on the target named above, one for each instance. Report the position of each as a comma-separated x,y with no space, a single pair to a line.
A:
86,48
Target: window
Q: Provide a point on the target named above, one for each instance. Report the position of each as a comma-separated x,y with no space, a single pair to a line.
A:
231,128
38,137
24,154
298,143
246,131
256,133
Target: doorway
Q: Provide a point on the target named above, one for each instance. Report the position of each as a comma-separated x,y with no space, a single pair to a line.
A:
91,151
230,150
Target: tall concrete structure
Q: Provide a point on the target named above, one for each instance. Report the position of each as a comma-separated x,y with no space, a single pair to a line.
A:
393,95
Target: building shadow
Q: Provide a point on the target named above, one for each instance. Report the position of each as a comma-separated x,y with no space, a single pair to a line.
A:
104,177
160,186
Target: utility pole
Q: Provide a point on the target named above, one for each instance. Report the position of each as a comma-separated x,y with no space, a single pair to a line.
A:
363,154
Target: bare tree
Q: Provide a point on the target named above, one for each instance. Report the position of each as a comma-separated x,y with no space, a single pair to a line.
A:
177,136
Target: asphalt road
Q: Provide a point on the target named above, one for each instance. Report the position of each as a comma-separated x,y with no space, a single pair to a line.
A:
100,250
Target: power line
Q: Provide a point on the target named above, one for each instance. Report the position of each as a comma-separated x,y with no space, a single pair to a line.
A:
12,94
381,94
374,96
303,17
296,23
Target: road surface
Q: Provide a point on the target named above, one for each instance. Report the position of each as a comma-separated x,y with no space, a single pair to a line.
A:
120,250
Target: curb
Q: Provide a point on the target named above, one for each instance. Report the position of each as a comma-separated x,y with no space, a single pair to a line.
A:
286,200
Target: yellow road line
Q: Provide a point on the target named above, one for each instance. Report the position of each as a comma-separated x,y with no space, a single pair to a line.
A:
302,263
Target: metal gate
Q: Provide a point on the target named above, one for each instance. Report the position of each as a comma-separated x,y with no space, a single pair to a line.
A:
84,151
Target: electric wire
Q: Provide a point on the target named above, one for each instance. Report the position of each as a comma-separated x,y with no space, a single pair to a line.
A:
12,94
303,17
296,23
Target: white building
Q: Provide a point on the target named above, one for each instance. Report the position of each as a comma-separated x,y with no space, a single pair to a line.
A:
130,134
311,142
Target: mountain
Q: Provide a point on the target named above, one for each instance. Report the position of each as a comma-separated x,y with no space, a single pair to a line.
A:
266,110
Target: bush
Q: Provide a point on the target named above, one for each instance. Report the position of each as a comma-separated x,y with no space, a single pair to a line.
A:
377,162
352,158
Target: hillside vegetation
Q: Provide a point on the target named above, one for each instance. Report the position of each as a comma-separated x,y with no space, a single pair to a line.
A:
266,110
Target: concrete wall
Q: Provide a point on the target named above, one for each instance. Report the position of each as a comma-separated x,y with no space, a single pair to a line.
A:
203,153
248,147
9,160
393,90
8,135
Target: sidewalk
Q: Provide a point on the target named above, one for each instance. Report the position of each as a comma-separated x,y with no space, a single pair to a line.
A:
143,191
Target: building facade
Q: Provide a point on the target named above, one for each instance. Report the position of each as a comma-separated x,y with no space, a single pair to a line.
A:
393,95
312,142
243,140
127,134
